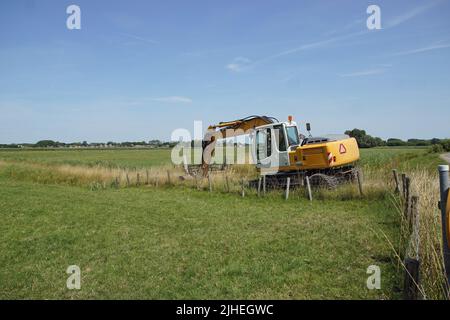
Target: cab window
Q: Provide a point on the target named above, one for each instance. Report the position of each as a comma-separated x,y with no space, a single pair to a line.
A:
292,135
263,144
280,137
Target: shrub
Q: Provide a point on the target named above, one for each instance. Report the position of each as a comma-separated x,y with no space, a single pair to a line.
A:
436,148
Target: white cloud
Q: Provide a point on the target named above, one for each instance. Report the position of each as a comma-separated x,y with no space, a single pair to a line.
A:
238,64
173,99
141,39
309,46
423,49
410,14
364,73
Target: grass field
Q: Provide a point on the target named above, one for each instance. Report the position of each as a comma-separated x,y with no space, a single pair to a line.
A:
129,158
177,242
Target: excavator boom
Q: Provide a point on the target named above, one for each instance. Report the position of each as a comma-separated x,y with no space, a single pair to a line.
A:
240,125
230,129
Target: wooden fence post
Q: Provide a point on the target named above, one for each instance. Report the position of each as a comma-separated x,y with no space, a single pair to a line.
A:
288,183
117,182
227,183
308,187
264,185
259,186
138,179
185,164
196,181
243,189
412,264
412,211
168,177
397,187
404,184
359,176
128,180
407,197
411,286
415,222
209,183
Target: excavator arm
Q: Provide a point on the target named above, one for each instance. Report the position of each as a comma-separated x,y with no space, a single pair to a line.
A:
229,129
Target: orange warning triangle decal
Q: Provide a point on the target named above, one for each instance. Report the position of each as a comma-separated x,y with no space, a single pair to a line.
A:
342,149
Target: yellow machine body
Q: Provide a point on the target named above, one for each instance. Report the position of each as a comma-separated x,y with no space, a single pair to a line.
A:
324,155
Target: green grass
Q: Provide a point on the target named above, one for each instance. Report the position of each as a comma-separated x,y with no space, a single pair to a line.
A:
127,158
180,243
404,159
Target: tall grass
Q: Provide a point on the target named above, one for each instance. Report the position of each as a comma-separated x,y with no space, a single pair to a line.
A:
425,184
100,177
378,185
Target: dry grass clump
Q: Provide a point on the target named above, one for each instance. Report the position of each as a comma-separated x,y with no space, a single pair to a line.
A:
425,184
100,177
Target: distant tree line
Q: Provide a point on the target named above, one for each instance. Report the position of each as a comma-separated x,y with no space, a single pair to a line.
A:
367,141
85,144
364,141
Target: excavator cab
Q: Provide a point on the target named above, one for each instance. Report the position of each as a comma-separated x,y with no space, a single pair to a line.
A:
272,144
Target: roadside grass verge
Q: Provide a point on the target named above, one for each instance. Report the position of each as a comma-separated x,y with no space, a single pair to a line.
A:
178,243
52,191
421,167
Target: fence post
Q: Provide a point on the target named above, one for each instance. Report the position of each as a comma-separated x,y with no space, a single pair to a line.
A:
128,180
243,188
138,179
411,212
308,187
288,183
407,197
185,164
227,182
168,177
259,186
415,222
403,184
359,177
209,183
147,180
264,185
444,190
196,182
397,187
411,288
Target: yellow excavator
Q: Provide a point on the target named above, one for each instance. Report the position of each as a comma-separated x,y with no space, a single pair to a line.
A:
279,151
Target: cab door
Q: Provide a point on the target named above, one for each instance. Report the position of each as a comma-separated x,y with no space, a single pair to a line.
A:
281,146
270,148
263,147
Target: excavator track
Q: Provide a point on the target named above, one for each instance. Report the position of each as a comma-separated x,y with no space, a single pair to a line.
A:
328,179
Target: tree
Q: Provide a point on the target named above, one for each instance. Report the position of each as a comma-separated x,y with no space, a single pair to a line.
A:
46,144
364,140
394,142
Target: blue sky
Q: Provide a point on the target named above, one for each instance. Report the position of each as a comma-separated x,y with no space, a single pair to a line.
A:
137,70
